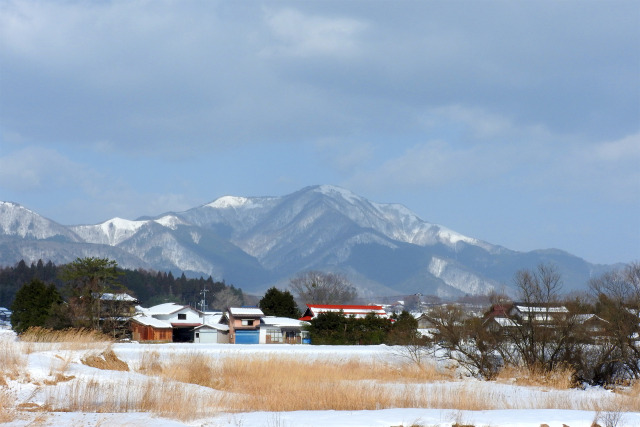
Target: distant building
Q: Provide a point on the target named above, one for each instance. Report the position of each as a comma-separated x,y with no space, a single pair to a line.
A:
358,311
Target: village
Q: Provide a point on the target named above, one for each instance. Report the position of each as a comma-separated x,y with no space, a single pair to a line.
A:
172,322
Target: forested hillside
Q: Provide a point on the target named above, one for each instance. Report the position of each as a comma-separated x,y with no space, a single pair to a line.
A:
150,287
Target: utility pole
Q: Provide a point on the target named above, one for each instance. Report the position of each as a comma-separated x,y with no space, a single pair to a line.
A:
203,302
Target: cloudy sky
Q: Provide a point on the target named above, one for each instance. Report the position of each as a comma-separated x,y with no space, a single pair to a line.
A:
514,122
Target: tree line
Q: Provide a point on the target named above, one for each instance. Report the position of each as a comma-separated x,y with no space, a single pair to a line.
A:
81,294
149,287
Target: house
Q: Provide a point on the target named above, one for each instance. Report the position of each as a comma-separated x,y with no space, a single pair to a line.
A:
244,324
212,330
115,311
594,328
499,323
283,330
358,311
211,334
172,322
424,321
538,313
182,319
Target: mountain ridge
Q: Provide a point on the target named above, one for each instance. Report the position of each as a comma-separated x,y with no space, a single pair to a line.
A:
258,242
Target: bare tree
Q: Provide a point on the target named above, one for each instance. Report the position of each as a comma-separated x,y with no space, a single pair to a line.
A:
316,287
465,340
543,337
617,295
226,298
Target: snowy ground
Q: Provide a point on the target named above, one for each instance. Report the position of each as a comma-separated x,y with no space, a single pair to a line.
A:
41,364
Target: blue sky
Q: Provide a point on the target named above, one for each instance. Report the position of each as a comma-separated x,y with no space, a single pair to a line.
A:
514,122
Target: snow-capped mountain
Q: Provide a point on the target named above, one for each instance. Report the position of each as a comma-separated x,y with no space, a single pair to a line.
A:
18,221
256,242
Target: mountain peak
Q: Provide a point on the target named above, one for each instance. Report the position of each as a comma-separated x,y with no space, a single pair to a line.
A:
256,242
335,191
235,202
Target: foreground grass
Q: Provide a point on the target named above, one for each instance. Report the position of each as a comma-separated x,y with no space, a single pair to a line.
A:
286,383
42,339
192,385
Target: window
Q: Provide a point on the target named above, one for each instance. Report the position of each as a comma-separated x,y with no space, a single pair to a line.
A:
247,322
274,335
197,334
182,316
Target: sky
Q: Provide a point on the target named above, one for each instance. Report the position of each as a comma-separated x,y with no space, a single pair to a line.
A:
517,123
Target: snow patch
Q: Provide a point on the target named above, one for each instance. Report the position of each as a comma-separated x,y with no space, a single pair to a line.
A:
450,237
331,190
234,202
170,221
437,266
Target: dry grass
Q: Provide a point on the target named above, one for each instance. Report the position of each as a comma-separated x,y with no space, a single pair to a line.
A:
187,386
12,360
107,360
289,384
164,398
7,402
39,339
285,383
559,379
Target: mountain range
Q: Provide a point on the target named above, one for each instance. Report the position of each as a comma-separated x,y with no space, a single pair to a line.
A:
258,242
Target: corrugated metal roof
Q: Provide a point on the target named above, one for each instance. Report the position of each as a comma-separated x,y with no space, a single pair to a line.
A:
218,326
348,310
245,311
281,321
166,308
152,321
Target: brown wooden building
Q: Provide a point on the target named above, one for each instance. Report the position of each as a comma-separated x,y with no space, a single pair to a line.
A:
150,329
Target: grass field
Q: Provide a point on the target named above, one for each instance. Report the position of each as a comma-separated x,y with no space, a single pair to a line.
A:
43,378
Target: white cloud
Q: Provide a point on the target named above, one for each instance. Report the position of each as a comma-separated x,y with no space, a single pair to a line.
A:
302,35
38,169
609,170
345,155
626,149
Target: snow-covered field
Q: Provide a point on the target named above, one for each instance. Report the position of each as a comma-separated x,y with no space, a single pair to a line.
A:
52,379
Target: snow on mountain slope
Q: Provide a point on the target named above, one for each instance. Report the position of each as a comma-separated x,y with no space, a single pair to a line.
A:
394,221
459,278
16,220
258,242
115,231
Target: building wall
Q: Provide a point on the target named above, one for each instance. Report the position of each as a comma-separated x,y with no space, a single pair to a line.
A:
206,336
236,324
141,332
191,316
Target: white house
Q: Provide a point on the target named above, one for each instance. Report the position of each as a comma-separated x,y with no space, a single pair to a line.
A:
182,319
282,330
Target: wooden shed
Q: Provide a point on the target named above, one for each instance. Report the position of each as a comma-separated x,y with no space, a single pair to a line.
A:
150,330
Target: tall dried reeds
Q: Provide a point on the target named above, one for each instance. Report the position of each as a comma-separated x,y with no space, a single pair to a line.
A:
286,383
161,397
12,359
560,378
67,339
7,406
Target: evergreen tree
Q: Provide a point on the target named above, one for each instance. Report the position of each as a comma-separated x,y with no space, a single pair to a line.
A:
88,279
34,305
404,330
278,303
